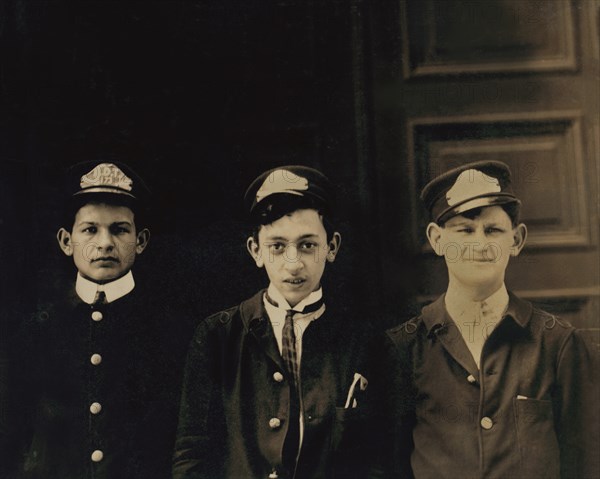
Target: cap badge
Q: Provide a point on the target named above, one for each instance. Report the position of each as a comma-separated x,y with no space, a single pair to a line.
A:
282,181
471,184
106,174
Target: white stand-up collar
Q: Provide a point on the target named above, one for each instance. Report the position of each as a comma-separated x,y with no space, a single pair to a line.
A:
114,290
278,298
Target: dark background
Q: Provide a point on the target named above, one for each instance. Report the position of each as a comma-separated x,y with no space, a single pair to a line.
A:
202,96
199,97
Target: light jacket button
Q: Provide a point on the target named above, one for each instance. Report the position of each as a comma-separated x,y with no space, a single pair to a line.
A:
97,455
471,378
278,376
96,359
95,407
274,423
97,316
486,423
273,475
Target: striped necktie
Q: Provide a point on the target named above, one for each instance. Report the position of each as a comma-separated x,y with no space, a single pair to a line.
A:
289,340
288,348
289,354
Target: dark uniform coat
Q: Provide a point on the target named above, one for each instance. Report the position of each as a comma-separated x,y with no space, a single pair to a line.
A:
531,411
107,379
236,397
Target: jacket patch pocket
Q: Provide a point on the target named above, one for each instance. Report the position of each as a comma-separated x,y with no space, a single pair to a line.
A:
538,445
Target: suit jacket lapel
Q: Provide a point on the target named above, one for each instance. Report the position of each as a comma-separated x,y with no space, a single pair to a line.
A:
263,332
440,325
258,326
454,343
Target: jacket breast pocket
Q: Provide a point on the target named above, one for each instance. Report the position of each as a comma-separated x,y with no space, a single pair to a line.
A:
538,445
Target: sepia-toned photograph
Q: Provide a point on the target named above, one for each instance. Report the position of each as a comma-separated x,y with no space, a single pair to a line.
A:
299,239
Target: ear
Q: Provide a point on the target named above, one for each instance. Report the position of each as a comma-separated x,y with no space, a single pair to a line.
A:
64,241
142,239
519,238
434,235
254,249
334,246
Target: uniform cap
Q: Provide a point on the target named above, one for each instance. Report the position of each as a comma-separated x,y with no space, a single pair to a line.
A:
116,180
470,186
286,182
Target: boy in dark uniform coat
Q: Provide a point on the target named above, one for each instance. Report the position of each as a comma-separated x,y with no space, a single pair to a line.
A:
106,355
482,384
271,386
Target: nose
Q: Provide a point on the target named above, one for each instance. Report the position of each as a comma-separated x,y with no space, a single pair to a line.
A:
480,240
105,240
293,259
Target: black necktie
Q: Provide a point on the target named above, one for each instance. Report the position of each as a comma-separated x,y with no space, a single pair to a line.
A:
99,299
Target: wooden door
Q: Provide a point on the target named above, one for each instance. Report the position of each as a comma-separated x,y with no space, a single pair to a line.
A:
455,81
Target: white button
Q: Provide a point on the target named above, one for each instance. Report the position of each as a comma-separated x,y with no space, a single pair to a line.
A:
96,359
273,475
486,423
278,377
274,423
97,455
471,378
95,407
97,316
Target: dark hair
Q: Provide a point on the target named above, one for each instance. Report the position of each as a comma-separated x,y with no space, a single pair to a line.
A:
74,204
512,209
280,205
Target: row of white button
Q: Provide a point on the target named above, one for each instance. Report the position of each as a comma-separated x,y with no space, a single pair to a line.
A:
486,422
275,422
96,407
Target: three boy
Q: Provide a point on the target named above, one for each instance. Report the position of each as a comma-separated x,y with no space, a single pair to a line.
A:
272,386
481,384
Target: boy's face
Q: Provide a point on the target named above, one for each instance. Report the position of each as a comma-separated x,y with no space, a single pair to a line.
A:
294,249
103,241
477,250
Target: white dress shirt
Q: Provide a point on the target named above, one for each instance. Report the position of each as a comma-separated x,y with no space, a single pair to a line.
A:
477,319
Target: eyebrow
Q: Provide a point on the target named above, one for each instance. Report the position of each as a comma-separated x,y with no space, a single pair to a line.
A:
465,222
282,238
95,223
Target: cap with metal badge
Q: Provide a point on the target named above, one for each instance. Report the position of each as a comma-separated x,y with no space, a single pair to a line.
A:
116,180
298,183
469,186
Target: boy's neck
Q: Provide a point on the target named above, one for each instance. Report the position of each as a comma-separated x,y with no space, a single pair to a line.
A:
86,289
280,300
471,293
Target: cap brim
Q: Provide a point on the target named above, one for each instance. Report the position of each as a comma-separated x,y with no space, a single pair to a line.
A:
478,202
104,190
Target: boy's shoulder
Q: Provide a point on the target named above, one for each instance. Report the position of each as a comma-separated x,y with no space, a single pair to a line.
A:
549,324
536,322
241,314
420,325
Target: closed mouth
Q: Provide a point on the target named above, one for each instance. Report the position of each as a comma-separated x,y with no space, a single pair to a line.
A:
115,260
